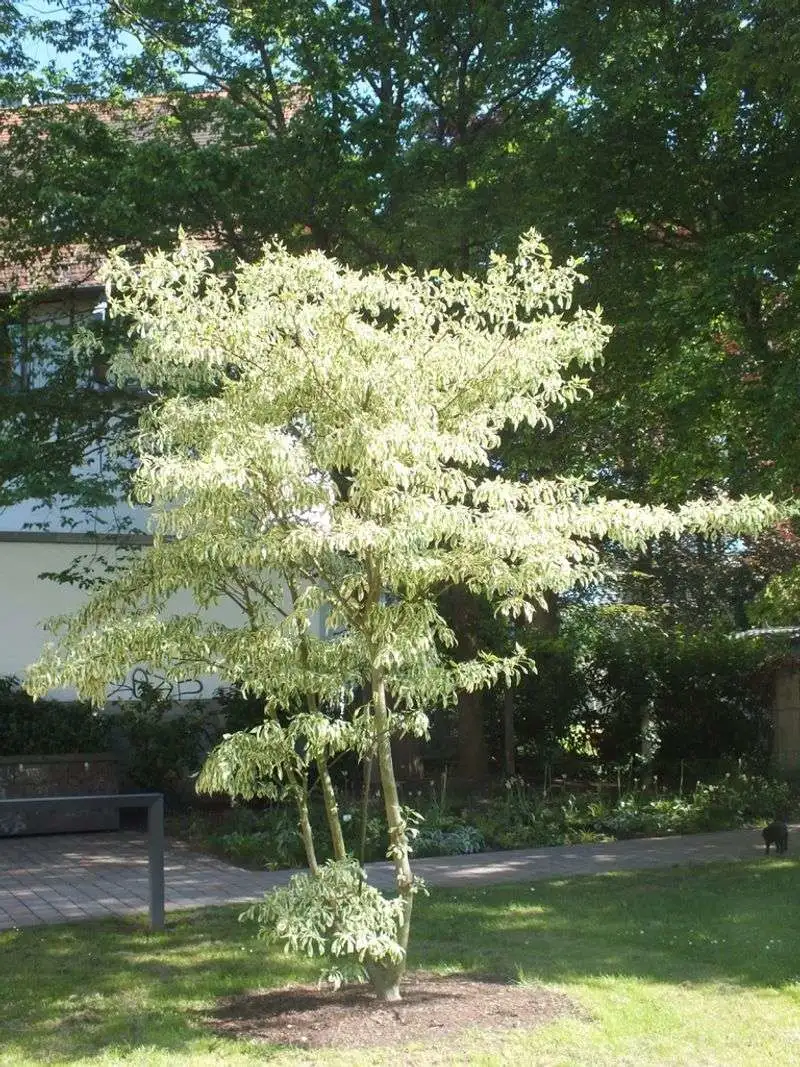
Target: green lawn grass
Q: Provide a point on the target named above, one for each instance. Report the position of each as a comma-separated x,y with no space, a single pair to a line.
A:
684,966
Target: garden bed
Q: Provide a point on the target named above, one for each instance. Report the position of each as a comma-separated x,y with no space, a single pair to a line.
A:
432,1006
517,817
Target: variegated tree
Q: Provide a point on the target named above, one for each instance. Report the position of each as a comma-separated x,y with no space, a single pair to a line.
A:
324,450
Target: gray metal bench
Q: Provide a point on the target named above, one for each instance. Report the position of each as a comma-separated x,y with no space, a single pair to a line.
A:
153,802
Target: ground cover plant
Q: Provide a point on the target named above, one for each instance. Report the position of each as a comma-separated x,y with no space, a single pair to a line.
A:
517,815
687,965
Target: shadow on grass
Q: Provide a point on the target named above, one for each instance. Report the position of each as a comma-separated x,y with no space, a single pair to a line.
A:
73,992
726,923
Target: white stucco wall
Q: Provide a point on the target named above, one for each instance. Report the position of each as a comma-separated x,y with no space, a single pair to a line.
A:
26,600
69,310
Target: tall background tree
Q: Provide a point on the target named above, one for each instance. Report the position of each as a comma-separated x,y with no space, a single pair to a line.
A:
656,140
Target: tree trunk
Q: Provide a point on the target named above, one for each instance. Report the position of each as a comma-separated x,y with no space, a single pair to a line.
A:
463,612
306,833
385,979
331,809
648,743
509,735
473,753
385,975
365,808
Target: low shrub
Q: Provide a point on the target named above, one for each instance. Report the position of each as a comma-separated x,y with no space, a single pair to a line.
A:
521,817
163,748
268,838
462,841
741,799
47,727
253,849
337,915
524,819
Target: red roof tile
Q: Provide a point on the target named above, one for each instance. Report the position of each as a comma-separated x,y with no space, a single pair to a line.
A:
75,267
141,114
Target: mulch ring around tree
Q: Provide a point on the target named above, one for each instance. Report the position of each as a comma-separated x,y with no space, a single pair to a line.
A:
351,1017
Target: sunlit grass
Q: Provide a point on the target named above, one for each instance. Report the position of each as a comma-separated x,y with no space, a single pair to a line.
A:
692,965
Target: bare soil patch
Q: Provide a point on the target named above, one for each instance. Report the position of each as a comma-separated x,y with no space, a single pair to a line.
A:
432,1005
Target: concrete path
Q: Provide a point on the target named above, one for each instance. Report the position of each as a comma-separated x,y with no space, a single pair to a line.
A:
67,877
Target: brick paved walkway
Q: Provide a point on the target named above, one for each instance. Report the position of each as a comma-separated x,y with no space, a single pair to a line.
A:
79,876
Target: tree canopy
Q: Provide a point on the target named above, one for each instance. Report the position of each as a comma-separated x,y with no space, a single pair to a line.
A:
657,142
324,449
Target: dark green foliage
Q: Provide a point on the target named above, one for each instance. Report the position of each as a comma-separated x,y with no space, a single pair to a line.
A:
163,747
57,413
697,581
548,705
524,818
160,749
16,64
237,711
520,816
259,849
706,696
268,838
460,841
47,727
615,674
716,703
679,146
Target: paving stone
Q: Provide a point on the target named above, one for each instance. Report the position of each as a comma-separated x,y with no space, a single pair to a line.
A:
74,876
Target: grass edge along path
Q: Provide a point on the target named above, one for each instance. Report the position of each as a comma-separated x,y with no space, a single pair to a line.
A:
691,965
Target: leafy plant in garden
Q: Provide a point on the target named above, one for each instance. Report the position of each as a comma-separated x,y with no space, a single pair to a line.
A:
460,841
523,818
164,747
48,727
324,458
335,914
657,698
267,838
518,817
